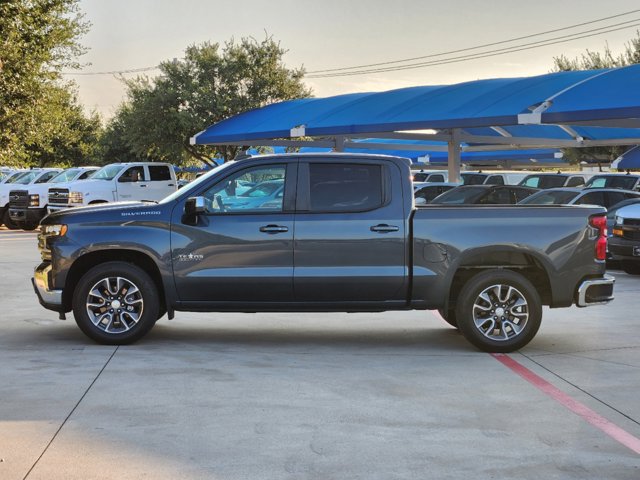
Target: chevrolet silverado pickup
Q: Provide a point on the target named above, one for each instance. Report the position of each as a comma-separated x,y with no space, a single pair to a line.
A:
319,232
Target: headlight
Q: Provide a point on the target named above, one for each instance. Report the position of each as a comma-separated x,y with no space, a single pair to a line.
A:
619,220
75,197
55,230
34,200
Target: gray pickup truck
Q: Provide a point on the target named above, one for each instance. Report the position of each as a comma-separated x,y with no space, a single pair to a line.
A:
319,232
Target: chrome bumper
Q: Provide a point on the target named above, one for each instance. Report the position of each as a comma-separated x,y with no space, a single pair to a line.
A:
51,299
596,291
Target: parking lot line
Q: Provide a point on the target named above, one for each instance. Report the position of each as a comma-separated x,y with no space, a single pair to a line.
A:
580,409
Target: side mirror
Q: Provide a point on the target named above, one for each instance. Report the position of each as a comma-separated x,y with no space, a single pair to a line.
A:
420,201
194,206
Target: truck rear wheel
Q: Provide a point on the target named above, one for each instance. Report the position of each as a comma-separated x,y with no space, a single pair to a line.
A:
499,311
116,303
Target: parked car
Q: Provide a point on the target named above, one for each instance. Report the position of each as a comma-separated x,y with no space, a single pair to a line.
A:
492,178
426,192
605,197
485,195
30,177
115,183
345,238
431,176
624,244
553,180
624,181
27,206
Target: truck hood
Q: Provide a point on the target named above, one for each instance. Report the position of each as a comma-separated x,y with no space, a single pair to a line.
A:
117,210
85,186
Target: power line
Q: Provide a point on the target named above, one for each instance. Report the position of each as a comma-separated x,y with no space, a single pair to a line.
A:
349,71
490,53
115,72
478,46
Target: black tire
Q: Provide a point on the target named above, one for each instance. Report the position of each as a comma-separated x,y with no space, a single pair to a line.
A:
10,224
449,316
632,268
100,303
513,299
28,227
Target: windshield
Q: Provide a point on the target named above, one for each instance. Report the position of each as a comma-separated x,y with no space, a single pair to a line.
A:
544,181
195,185
473,178
558,197
27,178
107,173
461,195
65,176
626,182
13,178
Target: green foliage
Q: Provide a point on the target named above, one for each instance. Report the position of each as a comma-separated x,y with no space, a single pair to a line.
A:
592,61
209,84
605,59
41,122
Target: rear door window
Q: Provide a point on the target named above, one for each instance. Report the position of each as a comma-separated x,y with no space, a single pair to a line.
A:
159,173
575,182
593,198
495,180
345,187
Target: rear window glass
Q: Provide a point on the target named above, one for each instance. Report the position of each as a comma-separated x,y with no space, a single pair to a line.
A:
544,181
345,187
626,182
473,178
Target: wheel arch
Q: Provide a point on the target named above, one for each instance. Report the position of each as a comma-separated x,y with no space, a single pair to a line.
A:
524,262
91,259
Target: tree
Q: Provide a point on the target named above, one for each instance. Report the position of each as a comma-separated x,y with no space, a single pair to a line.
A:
209,84
596,60
38,38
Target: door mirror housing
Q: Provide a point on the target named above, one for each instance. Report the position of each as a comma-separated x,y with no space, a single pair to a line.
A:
194,206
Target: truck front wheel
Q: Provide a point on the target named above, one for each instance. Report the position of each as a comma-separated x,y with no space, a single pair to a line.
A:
116,303
499,311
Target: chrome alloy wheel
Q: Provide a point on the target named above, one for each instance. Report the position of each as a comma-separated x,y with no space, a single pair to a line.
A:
114,305
500,312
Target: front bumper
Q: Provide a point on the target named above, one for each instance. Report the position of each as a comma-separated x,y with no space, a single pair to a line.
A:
595,291
49,298
624,249
27,215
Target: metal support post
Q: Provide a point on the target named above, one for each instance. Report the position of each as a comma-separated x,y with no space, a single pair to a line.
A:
454,156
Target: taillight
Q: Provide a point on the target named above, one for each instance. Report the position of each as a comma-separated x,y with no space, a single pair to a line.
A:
600,222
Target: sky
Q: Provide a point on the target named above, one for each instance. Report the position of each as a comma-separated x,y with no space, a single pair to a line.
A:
325,34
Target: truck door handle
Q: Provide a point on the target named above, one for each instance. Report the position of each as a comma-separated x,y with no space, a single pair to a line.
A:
142,186
274,229
384,228
171,185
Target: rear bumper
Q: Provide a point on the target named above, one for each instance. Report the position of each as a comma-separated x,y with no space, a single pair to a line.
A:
595,291
49,298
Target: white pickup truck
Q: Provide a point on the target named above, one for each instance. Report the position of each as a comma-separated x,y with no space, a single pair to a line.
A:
28,205
35,176
117,182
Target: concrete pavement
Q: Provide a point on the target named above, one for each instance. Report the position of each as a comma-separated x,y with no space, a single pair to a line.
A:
317,396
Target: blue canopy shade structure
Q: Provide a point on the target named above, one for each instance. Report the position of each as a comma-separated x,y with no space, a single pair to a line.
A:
629,159
563,109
